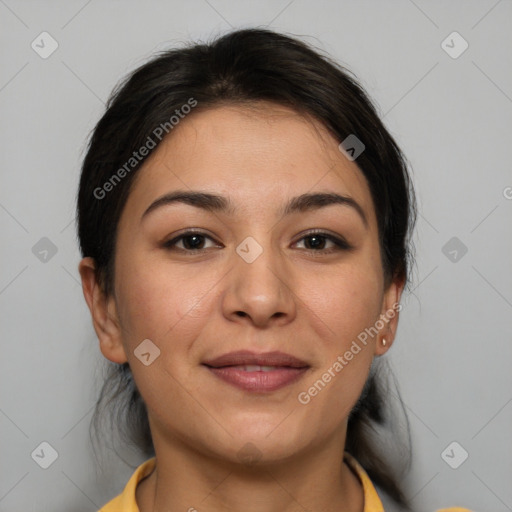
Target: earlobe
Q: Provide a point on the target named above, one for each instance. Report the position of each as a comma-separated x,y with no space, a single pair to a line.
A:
389,315
105,322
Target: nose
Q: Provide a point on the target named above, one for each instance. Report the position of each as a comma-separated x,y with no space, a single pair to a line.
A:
260,292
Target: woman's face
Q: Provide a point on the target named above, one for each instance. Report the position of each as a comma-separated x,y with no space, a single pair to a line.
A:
254,278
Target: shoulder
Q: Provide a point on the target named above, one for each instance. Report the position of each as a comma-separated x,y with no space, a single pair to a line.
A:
454,509
126,502
373,502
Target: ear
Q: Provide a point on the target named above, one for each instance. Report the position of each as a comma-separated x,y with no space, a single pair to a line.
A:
103,312
389,315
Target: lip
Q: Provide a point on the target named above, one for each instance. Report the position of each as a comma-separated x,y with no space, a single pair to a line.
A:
241,369
246,357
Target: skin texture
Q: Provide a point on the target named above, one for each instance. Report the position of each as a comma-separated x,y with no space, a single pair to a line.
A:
200,305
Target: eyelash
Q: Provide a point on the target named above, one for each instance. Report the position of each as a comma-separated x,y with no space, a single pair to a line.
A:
340,244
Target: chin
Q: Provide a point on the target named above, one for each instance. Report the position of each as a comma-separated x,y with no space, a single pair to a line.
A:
256,446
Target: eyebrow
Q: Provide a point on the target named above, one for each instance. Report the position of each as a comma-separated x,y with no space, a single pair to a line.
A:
216,203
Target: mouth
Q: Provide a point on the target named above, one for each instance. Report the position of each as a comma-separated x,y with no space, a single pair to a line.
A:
257,372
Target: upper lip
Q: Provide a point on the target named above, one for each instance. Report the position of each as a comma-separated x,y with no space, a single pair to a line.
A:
246,357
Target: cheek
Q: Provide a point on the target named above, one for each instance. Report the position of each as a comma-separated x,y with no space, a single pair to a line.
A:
169,306
162,302
347,302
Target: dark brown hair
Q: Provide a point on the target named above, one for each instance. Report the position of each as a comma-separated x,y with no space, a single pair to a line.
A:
244,66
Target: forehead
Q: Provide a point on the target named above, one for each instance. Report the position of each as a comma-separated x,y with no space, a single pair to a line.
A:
257,155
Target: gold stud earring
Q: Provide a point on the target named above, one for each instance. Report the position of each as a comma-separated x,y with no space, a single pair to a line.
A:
383,342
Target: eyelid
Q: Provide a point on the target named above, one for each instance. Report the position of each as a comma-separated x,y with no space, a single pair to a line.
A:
188,232
339,241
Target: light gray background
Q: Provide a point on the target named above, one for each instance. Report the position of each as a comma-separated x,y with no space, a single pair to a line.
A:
452,117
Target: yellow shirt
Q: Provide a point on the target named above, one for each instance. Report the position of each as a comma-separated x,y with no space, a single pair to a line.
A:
125,502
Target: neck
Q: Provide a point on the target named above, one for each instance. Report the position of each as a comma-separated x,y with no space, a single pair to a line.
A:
186,480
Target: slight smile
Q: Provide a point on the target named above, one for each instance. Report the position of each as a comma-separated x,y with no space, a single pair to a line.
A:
258,373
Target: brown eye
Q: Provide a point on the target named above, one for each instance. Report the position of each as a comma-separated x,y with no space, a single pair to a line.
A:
317,241
191,241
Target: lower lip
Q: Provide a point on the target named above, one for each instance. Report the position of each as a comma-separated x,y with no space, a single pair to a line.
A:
258,381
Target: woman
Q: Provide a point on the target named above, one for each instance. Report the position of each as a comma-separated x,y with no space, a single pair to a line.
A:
244,219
